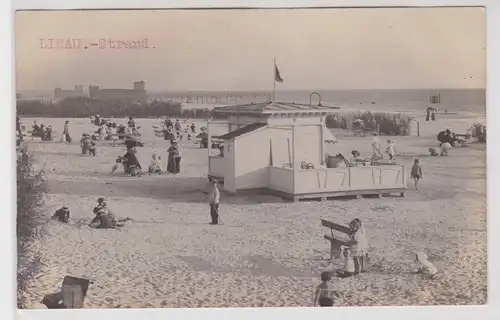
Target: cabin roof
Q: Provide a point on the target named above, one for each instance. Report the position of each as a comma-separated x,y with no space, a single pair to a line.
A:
241,131
274,107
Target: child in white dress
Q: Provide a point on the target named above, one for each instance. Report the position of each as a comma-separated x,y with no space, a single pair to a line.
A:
426,268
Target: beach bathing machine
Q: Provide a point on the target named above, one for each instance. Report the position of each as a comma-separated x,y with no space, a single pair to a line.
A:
280,148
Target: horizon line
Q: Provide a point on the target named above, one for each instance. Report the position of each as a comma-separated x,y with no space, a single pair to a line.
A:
267,90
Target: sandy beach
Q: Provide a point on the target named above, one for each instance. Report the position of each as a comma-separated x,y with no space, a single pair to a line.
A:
268,252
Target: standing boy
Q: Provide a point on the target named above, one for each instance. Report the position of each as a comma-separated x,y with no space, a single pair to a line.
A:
214,202
416,172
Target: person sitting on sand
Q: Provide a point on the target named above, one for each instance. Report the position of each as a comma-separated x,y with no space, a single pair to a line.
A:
104,218
325,293
445,136
445,147
101,202
359,246
349,268
131,163
426,268
85,143
155,166
36,127
433,152
61,215
416,172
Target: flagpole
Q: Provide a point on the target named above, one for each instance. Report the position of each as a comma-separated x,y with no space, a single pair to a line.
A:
274,80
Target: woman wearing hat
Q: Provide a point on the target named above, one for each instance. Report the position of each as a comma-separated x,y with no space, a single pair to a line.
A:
174,157
171,160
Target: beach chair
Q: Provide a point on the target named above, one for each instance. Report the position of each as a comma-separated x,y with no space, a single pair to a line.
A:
74,291
71,296
336,241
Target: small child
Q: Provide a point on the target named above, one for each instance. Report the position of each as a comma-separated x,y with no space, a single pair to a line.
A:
416,172
445,147
61,215
426,268
349,268
391,149
359,246
433,152
325,292
154,167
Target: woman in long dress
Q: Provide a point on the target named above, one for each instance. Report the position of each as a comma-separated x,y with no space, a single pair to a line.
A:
171,160
66,132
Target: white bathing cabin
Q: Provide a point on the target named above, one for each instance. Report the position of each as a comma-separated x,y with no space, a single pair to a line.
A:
280,148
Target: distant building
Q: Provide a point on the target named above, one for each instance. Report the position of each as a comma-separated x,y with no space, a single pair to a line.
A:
61,94
138,93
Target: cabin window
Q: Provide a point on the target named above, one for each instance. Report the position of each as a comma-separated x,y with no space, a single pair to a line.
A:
228,148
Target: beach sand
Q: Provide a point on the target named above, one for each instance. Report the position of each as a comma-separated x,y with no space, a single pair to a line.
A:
268,252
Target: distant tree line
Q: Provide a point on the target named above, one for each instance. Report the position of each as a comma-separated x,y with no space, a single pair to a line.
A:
82,107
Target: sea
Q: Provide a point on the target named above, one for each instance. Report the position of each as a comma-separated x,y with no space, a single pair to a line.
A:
415,101
469,101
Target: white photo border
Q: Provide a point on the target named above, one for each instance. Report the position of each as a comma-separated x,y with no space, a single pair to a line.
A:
8,294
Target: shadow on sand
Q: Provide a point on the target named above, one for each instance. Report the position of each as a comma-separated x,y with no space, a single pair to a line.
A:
176,189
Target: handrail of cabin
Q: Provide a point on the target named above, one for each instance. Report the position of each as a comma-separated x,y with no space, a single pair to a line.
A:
288,165
280,168
362,167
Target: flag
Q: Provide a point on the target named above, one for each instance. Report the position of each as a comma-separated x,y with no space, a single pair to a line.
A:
277,76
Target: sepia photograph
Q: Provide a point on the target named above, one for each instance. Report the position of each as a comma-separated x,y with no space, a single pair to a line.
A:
251,158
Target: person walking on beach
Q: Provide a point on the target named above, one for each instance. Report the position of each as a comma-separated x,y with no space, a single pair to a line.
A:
434,111
66,135
325,293
214,202
416,172
359,246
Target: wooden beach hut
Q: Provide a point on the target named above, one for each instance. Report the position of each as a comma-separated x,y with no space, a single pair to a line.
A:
280,148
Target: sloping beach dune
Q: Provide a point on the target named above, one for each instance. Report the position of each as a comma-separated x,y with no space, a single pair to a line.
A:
268,252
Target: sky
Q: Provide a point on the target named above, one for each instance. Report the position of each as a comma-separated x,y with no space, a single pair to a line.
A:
387,48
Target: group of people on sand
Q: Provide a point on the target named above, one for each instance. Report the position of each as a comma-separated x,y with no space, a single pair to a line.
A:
377,154
173,130
42,131
104,218
45,132
129,160
355,256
